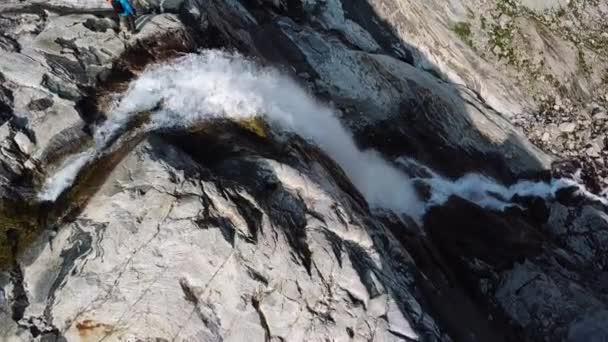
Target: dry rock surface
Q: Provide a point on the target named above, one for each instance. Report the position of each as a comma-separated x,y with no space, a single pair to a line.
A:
232,232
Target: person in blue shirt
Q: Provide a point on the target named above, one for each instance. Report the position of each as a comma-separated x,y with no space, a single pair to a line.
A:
126,11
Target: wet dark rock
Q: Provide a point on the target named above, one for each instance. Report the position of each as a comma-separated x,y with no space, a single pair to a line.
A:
463,230
40,104
535,208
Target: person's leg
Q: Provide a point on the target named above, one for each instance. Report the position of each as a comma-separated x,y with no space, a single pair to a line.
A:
123,24
132,25
116,20
125,27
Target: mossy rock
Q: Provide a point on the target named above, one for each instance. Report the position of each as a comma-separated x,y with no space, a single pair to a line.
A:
463,31
256,125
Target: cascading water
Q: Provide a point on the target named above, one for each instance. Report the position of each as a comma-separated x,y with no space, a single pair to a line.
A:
486,191
65,176
215,84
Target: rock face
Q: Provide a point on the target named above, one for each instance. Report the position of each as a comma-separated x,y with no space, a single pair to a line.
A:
48,75
230,232
542,63
190,256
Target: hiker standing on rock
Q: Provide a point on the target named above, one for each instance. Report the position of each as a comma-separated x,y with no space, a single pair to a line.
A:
126,11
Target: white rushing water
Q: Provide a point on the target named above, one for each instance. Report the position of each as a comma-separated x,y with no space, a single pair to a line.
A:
488,192
215,84
64,176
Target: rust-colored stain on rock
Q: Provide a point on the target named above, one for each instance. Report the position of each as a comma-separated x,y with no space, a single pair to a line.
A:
90,330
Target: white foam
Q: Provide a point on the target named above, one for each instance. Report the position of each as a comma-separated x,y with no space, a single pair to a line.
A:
488,192
65,176
216,84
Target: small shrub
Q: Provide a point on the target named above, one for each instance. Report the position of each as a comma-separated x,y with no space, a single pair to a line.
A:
463,31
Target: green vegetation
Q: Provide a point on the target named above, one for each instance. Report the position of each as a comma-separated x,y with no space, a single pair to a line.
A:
570,22
501,39
463,30
582,64
508,7
255,125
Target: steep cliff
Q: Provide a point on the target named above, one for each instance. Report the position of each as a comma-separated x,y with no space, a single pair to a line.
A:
303,170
